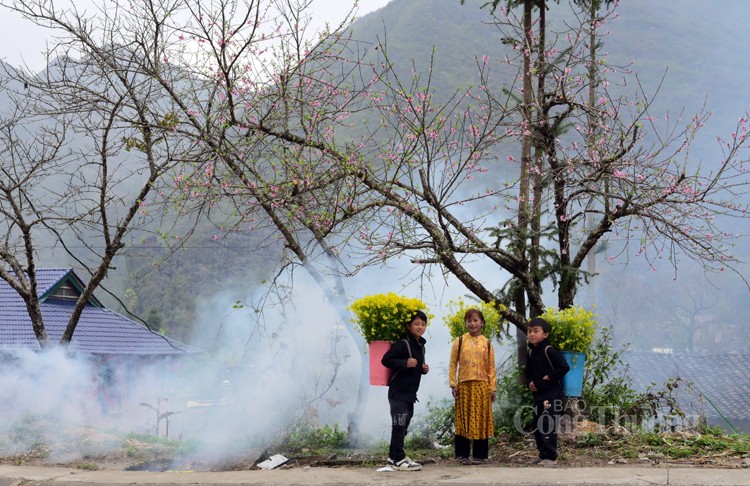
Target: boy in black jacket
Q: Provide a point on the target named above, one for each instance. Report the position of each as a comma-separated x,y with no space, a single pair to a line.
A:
406,358
544,370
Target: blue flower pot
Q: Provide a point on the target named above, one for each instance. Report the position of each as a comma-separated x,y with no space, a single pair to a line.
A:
572,382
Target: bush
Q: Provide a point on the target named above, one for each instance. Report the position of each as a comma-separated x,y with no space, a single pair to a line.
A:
609,395
512,409
307,437
440,420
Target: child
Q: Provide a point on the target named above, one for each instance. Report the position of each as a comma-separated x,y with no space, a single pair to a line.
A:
406,357
544,370
474,388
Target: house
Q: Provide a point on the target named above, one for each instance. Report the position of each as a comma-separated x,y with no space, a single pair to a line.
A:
115,344
100,331
713,386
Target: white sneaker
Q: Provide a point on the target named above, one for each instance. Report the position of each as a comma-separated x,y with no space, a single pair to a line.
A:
405,464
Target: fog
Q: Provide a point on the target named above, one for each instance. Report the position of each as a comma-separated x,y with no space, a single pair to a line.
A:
258,380
281,369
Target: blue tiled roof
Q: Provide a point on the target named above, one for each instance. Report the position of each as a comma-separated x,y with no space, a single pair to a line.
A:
46,278
99,330
718,378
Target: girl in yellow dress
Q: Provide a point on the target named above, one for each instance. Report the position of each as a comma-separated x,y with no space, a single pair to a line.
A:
472,379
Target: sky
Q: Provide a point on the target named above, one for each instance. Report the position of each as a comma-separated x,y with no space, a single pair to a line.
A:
23,43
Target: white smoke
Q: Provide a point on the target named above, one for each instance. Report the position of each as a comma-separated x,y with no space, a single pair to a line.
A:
263,374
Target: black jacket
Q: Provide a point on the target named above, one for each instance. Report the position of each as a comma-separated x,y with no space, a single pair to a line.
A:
405,381
545,359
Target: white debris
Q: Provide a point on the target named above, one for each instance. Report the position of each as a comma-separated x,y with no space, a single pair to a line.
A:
272,462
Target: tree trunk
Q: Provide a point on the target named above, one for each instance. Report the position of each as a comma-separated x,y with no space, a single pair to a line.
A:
524,183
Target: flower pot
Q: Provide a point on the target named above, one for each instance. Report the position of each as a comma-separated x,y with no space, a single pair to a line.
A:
379,374
573,380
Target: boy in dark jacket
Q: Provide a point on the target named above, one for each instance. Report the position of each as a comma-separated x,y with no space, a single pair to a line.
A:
406,358
544,371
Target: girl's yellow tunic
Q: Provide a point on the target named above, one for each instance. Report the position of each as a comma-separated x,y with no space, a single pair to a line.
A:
473,372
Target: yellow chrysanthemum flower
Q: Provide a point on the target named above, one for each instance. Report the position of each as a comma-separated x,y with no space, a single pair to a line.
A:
571,329
494,322
384,316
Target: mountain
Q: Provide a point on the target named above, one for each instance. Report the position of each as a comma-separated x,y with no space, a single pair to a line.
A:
414,30
697,47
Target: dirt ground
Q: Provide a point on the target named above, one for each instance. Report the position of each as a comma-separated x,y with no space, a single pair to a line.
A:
110,453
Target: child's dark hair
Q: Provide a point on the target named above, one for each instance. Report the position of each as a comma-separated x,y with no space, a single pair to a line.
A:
538,321
474,312
417,314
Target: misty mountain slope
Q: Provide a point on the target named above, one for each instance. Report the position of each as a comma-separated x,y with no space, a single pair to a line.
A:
417,29
700,45
155,281
683,53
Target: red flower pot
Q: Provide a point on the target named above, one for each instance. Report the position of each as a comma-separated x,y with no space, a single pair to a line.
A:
379,374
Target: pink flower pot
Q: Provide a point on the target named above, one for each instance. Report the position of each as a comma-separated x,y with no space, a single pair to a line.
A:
379,374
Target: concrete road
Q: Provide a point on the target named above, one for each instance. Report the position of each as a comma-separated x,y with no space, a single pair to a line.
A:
430,475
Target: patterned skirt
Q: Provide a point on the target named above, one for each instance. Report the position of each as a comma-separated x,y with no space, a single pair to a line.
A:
474,410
